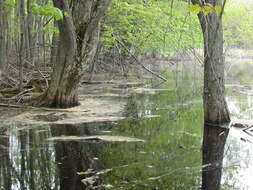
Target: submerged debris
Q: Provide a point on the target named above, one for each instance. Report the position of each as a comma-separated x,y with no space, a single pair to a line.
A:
242,123
104,138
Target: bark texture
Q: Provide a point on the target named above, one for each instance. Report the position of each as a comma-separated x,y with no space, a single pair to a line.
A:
216,113
3,23
79,34
215,106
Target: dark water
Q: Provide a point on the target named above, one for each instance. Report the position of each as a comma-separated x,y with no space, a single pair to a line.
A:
171,158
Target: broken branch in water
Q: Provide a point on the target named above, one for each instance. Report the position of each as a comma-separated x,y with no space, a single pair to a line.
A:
104,138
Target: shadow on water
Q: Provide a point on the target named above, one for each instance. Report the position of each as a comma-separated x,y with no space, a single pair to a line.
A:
170,122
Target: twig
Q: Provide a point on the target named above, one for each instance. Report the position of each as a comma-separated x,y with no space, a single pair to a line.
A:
23,92
137,61
43,77
48,21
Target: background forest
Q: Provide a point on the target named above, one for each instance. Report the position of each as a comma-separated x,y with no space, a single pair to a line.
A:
150,28
56,55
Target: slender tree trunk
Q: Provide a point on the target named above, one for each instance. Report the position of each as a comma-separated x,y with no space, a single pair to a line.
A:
79,34
30,37
22,42
3,23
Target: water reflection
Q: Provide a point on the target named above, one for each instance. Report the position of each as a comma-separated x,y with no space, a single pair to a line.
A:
214,140
27,162
75,158
5,179
171,124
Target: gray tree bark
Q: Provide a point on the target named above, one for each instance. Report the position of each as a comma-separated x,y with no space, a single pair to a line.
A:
215,106
30,36
22,42
79,34
3,23
216,114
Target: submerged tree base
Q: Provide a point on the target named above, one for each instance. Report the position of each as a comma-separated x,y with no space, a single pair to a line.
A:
59,101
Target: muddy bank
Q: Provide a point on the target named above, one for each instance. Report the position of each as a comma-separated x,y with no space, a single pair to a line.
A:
101,100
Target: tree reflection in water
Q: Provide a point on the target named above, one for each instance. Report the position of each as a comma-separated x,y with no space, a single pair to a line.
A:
74,158
213,152
5,180
26,162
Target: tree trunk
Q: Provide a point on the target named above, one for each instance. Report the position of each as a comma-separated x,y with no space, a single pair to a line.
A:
30,36
22,43
215,106
3,23
79,34
216,114
54,48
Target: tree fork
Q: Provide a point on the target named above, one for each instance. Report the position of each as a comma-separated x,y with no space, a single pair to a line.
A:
78,40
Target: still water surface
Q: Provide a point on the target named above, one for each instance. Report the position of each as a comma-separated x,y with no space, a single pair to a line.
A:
169,121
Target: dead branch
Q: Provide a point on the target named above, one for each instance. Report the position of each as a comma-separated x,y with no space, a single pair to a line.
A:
137,61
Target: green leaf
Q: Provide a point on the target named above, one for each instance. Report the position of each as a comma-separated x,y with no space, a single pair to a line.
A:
81,173
194,9
218,9
47,10
207,9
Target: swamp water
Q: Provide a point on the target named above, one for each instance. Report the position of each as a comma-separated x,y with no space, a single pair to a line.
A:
164,153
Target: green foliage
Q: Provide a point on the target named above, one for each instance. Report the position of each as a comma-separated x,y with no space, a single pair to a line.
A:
49,29
206,9
195,8
238,23
10,3
151,25
47,10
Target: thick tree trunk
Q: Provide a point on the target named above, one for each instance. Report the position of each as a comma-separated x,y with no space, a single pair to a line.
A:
79,34
215,106
54,48
216,114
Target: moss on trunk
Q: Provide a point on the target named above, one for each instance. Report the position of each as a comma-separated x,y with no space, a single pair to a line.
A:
78,40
